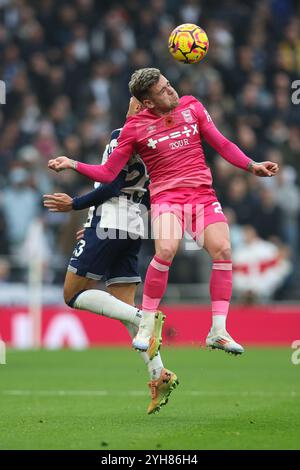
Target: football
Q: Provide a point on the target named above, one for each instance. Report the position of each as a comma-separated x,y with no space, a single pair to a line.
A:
188,43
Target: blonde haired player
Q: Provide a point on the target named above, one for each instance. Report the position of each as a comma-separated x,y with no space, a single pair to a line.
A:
168,136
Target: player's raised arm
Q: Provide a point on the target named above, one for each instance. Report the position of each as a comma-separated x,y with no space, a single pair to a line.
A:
101,194
107,172
230,151
61,202
103,173
234,155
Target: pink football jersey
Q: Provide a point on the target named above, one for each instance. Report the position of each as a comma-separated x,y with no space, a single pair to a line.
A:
170,145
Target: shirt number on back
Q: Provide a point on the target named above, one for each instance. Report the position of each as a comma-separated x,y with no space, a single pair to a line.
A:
90,216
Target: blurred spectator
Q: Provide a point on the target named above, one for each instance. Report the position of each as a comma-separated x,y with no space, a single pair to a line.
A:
100,86
240,200
4,241
277,133
45,140
21,205
222,43
268,216
287,195
291,149
190,11
66,66
236,230
247,140
4,270
289,47
31,160
259,267
35,251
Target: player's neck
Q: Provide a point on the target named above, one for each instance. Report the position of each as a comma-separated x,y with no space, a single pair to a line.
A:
159,112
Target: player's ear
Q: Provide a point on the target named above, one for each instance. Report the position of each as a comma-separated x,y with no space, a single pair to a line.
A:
148,104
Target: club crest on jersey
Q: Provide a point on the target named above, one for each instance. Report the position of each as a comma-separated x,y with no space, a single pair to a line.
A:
187,115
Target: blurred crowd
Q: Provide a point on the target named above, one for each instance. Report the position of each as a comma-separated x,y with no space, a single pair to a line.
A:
66,67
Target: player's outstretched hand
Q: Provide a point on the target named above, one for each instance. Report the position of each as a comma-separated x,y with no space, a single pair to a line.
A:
263,168
60,163
58,202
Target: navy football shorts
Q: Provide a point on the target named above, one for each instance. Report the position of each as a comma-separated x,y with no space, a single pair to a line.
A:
113,261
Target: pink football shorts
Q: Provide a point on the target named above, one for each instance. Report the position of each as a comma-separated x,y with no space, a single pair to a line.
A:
195,208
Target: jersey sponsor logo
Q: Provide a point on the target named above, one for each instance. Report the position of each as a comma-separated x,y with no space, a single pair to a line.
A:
187,115
186,132
178,143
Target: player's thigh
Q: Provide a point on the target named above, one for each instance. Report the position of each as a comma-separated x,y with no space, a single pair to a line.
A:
217,241
124,292
122,276
93,256
74,284
167,232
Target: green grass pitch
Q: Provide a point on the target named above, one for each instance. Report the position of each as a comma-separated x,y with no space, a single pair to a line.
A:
97,399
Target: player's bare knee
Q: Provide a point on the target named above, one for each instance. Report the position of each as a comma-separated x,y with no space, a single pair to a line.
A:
166,253
223,252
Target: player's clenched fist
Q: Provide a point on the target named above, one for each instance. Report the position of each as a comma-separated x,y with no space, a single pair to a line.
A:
61,163
263,168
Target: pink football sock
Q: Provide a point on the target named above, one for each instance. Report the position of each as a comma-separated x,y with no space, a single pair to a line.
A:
220,292
155,283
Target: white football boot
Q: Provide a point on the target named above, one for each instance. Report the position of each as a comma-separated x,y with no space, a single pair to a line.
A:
149,337
222,340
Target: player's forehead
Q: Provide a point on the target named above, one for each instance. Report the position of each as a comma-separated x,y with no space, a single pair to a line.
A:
162,82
